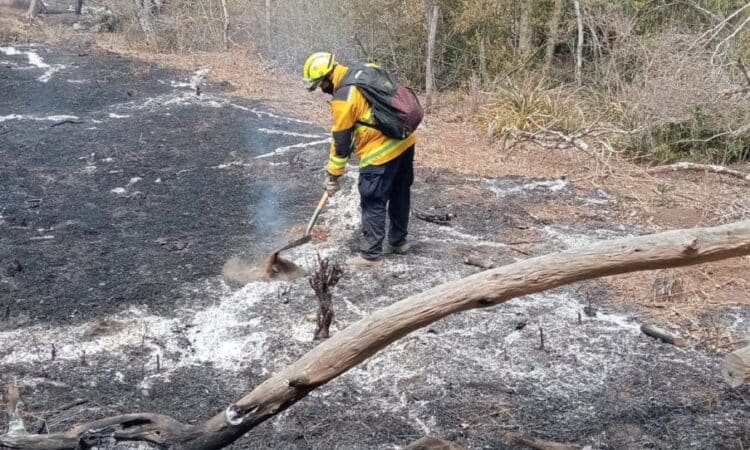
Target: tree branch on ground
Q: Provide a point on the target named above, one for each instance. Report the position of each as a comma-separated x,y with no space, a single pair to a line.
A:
366,337
688,166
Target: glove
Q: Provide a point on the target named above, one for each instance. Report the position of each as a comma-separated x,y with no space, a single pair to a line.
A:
332,185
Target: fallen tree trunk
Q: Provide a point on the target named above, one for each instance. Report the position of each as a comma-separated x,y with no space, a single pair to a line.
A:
735,368
364,338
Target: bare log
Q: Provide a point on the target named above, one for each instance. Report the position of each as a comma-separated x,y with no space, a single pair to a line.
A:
537,443
735,368
366,337
662,335
682,166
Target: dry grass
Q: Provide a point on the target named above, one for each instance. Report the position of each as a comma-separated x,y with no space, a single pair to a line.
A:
690,308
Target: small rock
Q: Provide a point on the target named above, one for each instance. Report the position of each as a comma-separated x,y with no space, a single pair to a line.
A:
77,26
13,268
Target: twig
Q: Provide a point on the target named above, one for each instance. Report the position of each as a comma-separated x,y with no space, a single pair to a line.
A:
66,121
734,33
717,29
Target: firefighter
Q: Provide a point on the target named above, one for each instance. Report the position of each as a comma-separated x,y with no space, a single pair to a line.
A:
386,165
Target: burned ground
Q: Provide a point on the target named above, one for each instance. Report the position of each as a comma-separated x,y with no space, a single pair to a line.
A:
124,193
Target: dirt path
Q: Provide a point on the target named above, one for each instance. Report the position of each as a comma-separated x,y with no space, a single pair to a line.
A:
121,224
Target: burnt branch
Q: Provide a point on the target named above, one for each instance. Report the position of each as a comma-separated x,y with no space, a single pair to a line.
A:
325,277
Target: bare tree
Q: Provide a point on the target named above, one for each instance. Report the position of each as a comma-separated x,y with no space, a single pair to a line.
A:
366,337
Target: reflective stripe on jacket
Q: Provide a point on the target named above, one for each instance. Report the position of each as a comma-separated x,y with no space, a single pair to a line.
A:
350,110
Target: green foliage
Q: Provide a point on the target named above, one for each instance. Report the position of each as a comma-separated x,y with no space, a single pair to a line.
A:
526,104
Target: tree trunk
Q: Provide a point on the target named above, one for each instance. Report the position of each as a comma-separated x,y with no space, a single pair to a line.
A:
79,6
366,337
145,17
579,45
269,38
226,23
432,21
735,368
485,74
33,8
524,29
554,29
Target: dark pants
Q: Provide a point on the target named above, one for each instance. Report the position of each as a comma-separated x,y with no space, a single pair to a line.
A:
386,189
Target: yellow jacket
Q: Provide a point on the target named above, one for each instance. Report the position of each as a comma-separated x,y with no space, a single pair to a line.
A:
348,108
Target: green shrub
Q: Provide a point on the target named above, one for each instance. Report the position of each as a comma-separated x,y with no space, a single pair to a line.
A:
525,104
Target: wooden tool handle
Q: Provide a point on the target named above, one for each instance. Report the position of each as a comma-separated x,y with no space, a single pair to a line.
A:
318,209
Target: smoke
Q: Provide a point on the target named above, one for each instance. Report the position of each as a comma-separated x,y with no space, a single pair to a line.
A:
267,222
237,270
264,211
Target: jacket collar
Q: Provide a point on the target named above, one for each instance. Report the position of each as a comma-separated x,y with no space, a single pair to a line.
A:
339,72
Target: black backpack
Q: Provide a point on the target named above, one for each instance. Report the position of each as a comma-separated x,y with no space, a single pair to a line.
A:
395,107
